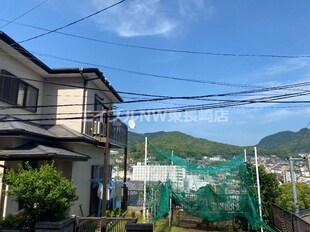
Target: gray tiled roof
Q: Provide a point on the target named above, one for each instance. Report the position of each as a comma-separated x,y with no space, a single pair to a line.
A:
39,151
20,126
10,124
62,131
135,185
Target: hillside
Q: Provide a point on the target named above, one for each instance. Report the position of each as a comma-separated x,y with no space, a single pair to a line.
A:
281,144
182,144
288,140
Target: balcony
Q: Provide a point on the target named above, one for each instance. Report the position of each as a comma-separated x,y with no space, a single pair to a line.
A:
97,128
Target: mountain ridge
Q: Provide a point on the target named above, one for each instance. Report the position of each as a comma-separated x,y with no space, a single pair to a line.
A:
288,140
282,144
182,144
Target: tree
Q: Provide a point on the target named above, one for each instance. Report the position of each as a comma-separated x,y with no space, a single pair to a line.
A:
44,193
269,187
285,199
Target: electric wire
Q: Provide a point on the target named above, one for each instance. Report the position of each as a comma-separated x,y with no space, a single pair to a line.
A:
148,111
146,74
150,75
158,49
23,14
264,100
237,107
161,98
177,78
72,23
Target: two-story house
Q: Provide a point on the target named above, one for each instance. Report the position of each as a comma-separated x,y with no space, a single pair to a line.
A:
55,115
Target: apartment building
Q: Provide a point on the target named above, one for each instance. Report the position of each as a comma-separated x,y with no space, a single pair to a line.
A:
56,115
157,172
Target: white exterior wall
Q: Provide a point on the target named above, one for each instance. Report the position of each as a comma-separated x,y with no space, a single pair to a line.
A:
81,175
91,96
62,95
20,70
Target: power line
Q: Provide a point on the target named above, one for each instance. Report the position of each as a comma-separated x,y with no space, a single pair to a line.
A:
229,103
23,14
221,104
161,98
182,106
212,82
153,112
181,109
72,23
88,88
151,75
237,107
158,49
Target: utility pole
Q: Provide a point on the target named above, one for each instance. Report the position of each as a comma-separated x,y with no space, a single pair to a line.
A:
170,194
293,180
106,159
145,176
258,188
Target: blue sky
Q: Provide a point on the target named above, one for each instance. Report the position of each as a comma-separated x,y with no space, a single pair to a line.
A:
238,27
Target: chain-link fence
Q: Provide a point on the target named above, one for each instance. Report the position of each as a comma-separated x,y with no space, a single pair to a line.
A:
286,221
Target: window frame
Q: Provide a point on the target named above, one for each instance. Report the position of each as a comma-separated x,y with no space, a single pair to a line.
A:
99,102
12,97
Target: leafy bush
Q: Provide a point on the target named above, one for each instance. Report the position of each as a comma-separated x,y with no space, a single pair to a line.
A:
45,194
13,221
285,199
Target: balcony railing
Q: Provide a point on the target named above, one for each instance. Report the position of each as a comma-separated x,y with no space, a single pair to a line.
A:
97,128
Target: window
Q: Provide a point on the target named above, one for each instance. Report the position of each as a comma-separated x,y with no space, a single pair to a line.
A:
17,92
8,85
31,98
99,105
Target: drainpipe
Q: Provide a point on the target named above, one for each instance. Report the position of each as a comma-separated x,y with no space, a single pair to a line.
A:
84,100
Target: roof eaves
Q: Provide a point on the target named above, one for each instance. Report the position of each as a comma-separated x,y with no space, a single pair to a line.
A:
12,43
88,70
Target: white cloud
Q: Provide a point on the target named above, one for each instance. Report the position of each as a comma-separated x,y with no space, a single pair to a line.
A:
189,9
282,114
149,17
287,66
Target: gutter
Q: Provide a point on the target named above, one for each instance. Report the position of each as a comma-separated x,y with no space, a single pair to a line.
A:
84,100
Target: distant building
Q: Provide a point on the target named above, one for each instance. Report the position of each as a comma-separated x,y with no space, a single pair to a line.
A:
287,177
194,182
216,158
156,172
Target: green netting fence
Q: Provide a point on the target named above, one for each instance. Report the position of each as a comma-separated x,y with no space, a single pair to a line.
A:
226,191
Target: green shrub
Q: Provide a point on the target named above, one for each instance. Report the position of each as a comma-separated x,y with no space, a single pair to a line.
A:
13,221
46,195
